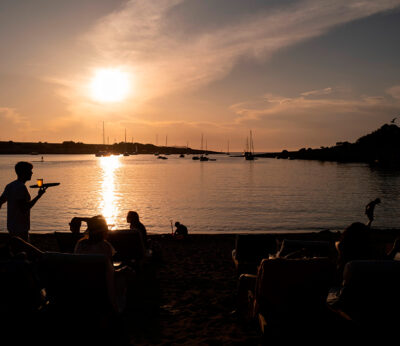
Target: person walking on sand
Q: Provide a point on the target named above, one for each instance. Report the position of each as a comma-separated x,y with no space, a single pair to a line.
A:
369,210
19,201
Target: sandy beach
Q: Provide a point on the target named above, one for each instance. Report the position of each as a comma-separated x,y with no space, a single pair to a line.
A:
186,294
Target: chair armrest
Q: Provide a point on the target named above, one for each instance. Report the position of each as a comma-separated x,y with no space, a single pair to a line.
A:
340,313
250,276
263,323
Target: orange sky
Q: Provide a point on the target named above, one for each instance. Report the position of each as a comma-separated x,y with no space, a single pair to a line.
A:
298,73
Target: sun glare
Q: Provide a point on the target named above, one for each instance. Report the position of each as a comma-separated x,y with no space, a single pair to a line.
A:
110,85
109,205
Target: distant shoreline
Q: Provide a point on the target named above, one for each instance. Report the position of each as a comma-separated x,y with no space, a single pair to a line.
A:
70,147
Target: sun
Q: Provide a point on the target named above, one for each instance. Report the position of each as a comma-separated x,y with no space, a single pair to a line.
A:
110,85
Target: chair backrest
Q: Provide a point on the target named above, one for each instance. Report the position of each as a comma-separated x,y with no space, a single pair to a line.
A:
19,288
128,244
254,247
67,240
370,290
78,282
287,287
314,248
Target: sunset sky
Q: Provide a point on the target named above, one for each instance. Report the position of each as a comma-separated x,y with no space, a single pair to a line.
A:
304,73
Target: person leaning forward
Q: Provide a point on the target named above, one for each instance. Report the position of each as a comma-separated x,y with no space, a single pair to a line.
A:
19,201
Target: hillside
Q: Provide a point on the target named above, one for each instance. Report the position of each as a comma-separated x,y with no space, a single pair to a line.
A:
379,147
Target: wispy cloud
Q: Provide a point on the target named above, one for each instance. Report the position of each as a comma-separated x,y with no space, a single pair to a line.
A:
290,109
324,91
13,125
165,61
394,91
314,121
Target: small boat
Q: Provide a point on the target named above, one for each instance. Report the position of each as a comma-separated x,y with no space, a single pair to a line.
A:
195,158
181,155
162,157
102,153
126,153
249,153
203,158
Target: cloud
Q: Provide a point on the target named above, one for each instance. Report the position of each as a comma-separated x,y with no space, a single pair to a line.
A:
139,35
324,91
394,91
284,109
13,125
294,122
141,38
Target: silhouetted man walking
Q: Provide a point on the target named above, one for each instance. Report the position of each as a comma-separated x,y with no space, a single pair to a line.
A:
19,201
369,210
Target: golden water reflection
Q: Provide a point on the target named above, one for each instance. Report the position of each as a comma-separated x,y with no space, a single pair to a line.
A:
108,205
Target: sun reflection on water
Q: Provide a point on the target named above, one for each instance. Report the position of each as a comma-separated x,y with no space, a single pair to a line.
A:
108,206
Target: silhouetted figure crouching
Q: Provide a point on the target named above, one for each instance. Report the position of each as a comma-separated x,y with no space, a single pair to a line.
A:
181,230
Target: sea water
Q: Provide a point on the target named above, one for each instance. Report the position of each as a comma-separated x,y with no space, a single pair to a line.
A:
229,195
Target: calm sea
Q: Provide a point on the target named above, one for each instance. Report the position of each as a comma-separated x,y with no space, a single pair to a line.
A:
226,195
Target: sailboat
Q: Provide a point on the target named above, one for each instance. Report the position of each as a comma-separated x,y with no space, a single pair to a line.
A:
249,153
125,152
202,157
196,157
101,153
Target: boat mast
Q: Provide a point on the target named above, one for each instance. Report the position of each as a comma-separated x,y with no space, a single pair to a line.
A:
251,143
104,139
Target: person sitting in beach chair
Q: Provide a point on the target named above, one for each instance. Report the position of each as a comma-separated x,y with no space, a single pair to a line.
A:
181,230
95,242
135,225
19,248
76,223
356,244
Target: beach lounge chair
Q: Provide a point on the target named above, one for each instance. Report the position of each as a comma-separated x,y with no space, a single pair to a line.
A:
250,249
19,288
290,295
78,283
21,303
307,248
129,246
83,305
369,296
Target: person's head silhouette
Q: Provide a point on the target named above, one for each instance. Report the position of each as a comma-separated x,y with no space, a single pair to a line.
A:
75,225
97,227
24,170
132,217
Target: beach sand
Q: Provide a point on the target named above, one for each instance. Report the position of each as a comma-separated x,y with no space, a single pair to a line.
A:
186,294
